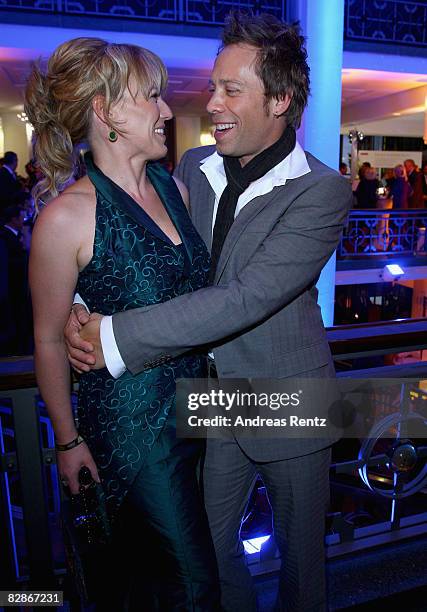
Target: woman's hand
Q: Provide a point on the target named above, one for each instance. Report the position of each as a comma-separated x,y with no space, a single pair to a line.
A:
70,463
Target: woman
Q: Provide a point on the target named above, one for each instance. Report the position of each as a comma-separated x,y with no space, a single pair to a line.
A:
400,189
366,192
121,237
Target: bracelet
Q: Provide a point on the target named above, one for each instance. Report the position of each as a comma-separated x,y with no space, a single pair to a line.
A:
70,445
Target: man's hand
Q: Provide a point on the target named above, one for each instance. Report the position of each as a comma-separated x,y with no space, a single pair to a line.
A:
80,353
91,335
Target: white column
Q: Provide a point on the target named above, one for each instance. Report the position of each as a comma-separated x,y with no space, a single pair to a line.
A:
187,134
322,23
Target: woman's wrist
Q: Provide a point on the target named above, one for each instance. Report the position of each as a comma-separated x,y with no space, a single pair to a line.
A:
78,439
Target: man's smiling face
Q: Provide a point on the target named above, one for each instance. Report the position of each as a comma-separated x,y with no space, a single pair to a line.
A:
244,123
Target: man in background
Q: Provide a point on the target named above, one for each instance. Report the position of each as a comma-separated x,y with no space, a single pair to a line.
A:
9,184
343,169
415,179
425,182
18,302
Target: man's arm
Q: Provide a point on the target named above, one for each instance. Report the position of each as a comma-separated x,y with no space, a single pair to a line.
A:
289,260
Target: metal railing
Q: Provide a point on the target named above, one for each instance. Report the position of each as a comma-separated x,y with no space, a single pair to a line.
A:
173,11
32,457
391,21
382,232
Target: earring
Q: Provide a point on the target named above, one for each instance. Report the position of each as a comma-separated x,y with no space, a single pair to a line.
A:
112,136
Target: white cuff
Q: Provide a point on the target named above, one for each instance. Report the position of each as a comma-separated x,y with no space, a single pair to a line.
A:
79,300
113,359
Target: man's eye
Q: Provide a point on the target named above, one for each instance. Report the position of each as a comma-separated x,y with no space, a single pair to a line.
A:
232,91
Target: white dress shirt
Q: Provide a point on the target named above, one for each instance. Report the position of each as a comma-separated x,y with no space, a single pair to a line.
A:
293,166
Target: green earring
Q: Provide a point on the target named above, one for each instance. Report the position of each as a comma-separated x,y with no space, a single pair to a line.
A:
112,136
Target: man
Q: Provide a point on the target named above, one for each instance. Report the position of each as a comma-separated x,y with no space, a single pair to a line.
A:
343,169
273,216
415,179
425,183
18,293
9,184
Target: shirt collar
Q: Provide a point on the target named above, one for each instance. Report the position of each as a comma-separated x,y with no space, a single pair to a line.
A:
293,166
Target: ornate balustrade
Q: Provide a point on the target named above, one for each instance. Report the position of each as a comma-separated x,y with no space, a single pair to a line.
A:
176,11
390,21
382,21
382,232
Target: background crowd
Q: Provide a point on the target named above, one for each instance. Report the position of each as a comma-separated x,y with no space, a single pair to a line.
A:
405,186
16,217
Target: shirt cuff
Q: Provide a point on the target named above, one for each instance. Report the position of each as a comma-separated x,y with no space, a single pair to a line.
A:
77,299
113,360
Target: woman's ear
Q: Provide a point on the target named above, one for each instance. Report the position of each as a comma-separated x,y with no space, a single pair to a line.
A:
98,107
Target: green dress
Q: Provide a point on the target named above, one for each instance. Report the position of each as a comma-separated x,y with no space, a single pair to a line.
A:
134,264
129,422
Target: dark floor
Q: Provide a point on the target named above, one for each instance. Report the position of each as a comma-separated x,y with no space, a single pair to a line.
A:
388,578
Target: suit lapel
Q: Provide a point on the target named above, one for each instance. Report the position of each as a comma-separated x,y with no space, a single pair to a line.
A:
202,202
243,219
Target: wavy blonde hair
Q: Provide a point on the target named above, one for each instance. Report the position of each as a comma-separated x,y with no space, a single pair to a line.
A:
58,101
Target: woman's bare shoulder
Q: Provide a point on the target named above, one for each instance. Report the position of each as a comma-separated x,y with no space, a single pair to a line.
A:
74,205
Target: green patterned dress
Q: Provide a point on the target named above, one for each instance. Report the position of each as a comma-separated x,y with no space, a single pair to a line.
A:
134,264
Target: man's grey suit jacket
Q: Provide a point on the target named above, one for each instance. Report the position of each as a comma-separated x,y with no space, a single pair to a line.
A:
261,316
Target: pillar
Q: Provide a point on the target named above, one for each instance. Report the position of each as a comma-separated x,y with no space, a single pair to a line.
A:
322,23
187,134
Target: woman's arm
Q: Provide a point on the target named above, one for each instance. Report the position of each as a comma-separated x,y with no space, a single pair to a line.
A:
53,276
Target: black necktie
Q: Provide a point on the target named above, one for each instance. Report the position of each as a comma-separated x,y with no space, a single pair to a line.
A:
238,180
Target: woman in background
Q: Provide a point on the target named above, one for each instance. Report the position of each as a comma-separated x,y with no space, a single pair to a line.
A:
400,189
121,237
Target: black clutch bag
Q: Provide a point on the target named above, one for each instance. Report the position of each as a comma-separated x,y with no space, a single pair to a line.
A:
87,537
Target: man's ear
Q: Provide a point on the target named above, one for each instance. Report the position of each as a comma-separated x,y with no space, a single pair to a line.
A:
281,105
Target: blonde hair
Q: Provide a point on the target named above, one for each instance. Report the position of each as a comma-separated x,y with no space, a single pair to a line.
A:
58,101
399,171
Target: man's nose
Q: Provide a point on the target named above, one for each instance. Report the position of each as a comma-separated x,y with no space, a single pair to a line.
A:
216,103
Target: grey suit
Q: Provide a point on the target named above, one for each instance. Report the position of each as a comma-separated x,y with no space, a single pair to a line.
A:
262,318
